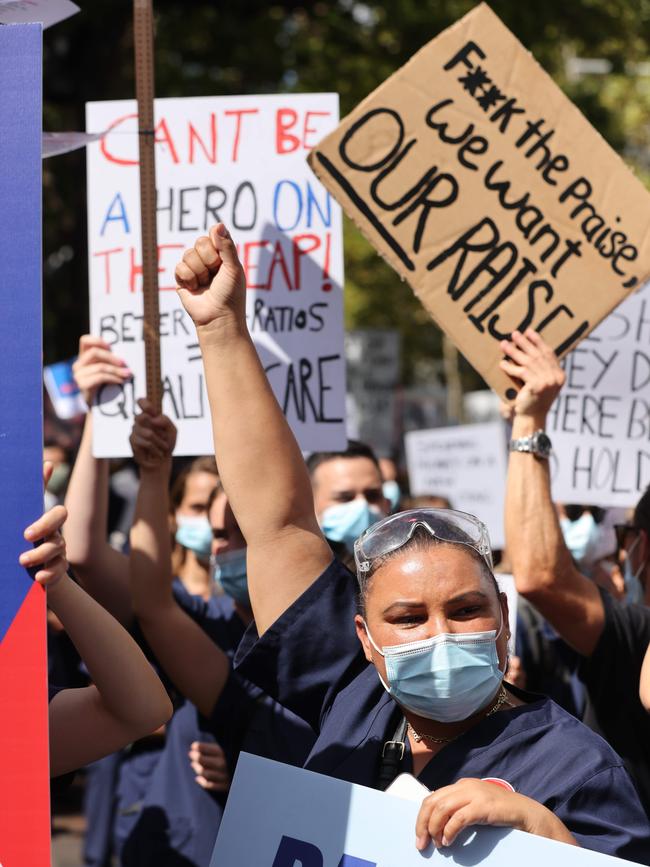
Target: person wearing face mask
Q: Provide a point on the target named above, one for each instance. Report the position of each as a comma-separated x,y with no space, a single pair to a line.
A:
194,640
348,494
610,636
189,498
630,540
415,676
155,771
580,532
390,485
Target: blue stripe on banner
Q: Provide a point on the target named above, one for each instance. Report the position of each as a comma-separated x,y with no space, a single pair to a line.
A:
21,439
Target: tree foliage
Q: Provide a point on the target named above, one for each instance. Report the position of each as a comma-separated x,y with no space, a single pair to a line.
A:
253,46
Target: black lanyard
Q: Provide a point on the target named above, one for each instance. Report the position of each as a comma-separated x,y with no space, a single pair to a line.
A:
392,755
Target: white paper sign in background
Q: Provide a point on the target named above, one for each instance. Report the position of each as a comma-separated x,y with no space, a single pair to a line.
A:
281,816
600,422
240,160
373,358
466,464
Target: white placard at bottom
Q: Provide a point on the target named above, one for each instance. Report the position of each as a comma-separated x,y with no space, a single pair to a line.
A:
281,816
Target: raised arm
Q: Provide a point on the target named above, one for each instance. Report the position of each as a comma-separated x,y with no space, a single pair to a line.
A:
101,569
259,461
127,700
197,667
541,563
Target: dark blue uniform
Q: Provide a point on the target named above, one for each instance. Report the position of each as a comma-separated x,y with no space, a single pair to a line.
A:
166,818
244,717
310,660
163,817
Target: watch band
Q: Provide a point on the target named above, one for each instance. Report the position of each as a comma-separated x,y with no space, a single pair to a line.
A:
537,444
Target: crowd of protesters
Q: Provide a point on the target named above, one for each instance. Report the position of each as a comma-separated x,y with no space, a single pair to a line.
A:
309,613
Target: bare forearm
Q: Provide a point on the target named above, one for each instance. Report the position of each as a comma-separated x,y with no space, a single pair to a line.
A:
102,571
542,566
261,466
259,460
150,555
87,503
129,689
196,666
533,535
541,821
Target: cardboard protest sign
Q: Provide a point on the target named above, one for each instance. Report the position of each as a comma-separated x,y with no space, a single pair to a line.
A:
240,160
48,12
600,422
24,766
317,821
373,366
467,464
485,188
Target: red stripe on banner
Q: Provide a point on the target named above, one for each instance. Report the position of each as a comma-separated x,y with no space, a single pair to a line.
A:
24,808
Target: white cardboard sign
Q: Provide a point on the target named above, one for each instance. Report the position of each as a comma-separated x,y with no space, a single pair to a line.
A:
600,422
281,816
240,160
466,464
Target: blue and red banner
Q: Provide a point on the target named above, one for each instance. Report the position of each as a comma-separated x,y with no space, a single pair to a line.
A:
24,783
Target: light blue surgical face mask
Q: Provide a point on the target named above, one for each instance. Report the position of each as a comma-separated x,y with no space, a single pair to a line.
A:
194,532
345,522
633,588
580,536
392,493
446,678
229,570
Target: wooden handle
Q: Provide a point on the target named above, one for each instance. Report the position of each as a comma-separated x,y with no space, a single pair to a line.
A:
144,88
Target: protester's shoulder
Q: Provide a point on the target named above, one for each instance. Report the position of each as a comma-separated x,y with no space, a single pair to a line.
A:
336,582
564,734
624,623
363,695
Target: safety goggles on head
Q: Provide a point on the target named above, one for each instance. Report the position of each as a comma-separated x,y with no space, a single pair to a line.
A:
623,532
445,525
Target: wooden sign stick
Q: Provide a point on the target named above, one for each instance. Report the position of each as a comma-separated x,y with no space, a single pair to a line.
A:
144,88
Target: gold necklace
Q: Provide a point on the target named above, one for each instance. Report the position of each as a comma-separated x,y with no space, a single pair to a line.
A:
502,698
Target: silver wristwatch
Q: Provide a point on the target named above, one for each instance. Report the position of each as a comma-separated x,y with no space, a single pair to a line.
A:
537,444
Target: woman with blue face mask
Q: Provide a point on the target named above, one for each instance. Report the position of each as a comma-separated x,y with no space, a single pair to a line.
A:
189,498
413,680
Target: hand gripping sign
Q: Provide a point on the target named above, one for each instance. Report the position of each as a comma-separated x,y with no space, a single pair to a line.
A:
486,188
317,821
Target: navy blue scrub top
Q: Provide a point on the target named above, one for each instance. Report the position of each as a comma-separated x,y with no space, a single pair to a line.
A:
311,661
244,717
163,815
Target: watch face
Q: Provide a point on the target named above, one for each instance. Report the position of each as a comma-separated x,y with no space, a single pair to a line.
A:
541,443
